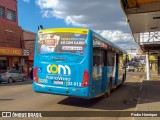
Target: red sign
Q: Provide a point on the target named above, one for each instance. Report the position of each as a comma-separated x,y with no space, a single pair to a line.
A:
105,46
50,43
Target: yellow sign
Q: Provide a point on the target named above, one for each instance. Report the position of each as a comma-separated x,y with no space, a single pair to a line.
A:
10,51
151,57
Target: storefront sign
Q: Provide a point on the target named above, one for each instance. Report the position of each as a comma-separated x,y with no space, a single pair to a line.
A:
26,52
10,51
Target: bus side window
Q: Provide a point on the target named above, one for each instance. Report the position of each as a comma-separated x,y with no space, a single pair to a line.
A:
110,58
97,56
105,57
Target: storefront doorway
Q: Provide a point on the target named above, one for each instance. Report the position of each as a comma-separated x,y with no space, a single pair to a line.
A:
3,63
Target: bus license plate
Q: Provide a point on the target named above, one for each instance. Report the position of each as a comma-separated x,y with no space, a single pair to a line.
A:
58,82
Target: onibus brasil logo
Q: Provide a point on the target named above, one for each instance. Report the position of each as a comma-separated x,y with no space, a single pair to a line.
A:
58,69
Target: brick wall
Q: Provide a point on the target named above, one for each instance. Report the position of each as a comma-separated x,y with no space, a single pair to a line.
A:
12,5
29,40
10,35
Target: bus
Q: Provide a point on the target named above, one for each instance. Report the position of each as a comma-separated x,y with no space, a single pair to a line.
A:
77,62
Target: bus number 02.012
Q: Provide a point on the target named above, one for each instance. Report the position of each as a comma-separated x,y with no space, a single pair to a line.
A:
74,83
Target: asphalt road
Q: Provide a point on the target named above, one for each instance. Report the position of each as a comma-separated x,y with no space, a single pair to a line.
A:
19,96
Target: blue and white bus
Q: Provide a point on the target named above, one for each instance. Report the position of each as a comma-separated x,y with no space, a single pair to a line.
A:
77,62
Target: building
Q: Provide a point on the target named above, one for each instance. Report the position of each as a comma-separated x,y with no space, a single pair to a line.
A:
13,51
132,53
28,42
8,11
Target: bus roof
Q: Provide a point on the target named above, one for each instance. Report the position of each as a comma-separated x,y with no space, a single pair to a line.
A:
81,31
72,30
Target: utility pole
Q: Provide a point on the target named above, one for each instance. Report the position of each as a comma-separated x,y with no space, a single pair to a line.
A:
147,66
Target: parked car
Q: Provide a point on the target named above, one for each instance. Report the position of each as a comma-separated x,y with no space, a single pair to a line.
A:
11,76
131,68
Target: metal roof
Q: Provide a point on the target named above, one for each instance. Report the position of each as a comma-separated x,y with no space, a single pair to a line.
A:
143,16
135,3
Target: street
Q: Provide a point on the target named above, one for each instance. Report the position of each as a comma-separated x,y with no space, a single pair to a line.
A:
19,96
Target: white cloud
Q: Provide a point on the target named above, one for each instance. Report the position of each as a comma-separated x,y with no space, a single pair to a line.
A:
124,40
72,20
26,1
103,15
94,14
115,35
47,4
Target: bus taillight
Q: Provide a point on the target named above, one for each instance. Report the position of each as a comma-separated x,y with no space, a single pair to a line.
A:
35,76
85,78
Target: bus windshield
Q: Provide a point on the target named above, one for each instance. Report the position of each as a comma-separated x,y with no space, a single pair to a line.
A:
61,42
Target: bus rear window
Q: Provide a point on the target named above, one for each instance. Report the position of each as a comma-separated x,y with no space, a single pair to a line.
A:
61,42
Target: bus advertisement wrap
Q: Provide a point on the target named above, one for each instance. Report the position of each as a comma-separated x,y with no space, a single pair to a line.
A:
62,42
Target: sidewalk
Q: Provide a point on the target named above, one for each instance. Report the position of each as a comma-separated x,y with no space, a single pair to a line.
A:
154,75
149,97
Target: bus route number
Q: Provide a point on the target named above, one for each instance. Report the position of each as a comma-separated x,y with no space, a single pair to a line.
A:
74,84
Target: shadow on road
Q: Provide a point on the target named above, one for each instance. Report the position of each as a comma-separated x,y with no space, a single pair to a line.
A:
18,82
6,99
150,92
124,97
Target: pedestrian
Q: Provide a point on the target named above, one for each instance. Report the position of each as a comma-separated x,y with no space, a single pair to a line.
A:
31,74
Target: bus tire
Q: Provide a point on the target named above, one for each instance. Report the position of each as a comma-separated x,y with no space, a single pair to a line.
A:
107,94
104,95
109,88
123,79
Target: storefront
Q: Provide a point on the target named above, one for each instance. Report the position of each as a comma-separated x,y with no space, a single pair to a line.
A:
28,64
153,63
14,58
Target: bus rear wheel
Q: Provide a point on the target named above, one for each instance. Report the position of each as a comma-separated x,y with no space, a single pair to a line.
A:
107,94
109,89
123,79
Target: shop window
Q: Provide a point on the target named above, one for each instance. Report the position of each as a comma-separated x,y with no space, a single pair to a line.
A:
11,15
2,12
3,63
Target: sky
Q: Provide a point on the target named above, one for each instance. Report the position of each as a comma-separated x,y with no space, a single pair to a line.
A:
103,16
